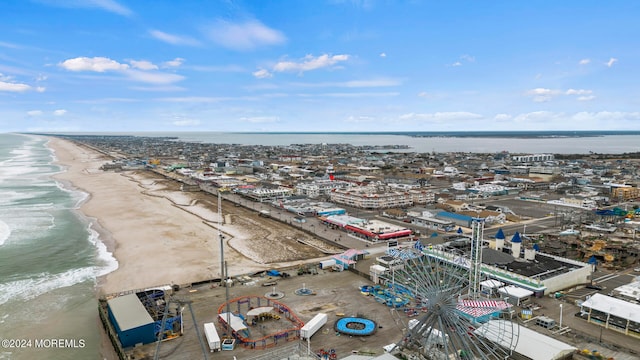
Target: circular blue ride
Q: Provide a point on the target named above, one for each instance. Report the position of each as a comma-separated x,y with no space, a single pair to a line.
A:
355,326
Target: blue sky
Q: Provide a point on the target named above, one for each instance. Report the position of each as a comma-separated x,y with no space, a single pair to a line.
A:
360,65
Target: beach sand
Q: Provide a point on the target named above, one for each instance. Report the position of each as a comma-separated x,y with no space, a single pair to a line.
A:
160,235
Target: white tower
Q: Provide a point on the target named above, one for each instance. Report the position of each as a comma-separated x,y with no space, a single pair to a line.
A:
475,264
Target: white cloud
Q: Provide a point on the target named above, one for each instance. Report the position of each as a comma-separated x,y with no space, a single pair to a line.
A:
186,122
59,112
142,71
584,61
192,99
463,58
97,64
173,39
383,55
442,116
309,63
371,83
606,116
359,119
244,36
221,68
154,77
177,62
578,92
111,6
13,87
536,117
543,91
381,82
262,74
158,88
502,117
577,121
143,65
108,5
9,45
354,95
41,89
542,94
107,101
34,112
260,119
611,62
468,58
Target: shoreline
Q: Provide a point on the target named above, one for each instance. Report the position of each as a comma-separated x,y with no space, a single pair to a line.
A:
160,235
144,233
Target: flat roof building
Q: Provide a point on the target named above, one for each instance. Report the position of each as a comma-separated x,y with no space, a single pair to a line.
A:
131,320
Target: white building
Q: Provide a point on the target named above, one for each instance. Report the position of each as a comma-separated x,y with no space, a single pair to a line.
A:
528,343
532,158
629,292
612,313
370,198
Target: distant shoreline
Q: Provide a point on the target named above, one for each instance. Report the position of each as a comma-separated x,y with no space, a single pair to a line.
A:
421,134
468,134
514,142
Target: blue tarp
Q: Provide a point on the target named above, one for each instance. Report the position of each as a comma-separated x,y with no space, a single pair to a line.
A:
168,326
273,273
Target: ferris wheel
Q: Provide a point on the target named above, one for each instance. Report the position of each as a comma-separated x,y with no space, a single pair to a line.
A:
449,320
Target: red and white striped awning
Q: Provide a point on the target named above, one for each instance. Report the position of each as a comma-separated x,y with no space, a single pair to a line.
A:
477,308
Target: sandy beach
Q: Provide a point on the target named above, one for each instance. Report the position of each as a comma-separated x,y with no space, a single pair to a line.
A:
160,235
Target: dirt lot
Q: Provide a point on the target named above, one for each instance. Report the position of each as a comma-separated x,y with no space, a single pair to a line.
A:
335,293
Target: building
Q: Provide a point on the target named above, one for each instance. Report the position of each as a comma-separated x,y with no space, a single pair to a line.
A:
612,313
370,198
529,344
532,158
132,322
629,292
318,187
625,193
264,194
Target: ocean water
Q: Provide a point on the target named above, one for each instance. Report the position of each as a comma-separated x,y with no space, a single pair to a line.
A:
554,142
49,258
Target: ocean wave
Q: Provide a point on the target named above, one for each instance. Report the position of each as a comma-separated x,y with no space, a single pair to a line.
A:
27,289
78,196
5,232
106,262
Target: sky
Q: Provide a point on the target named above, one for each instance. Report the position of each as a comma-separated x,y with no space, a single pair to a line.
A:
318,65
